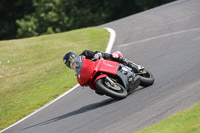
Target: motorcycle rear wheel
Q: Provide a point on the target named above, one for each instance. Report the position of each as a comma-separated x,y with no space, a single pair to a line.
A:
146,78
118,93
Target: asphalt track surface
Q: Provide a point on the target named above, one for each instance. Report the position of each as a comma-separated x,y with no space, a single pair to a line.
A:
166,40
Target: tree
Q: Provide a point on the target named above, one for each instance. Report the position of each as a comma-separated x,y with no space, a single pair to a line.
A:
53,16
49,17
26,18
10,11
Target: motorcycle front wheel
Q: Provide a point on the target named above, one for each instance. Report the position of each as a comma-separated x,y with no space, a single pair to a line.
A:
115,91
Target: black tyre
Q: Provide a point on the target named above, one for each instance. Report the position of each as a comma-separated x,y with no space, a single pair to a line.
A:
117,92
146,78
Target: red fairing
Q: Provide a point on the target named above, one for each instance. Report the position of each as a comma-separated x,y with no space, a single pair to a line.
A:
86,72
91,84
107,66
90,68
99,77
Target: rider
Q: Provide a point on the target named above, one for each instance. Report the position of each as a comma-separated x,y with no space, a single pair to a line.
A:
73,61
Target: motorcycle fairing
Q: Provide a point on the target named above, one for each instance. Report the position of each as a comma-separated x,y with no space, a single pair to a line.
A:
90,68
91,84
106,66
127,77
86,71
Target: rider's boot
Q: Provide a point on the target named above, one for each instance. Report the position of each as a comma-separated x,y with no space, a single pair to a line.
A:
135,67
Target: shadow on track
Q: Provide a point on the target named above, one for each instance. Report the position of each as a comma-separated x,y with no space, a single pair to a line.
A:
137,89
76,112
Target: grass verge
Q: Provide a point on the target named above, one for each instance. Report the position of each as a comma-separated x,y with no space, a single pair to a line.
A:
32,72
187,121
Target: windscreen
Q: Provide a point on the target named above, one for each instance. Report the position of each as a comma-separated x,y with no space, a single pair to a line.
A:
77,64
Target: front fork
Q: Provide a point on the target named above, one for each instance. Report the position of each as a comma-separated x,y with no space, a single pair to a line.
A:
110,81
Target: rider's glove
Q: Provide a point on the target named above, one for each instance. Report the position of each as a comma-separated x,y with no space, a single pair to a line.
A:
97,56
115,55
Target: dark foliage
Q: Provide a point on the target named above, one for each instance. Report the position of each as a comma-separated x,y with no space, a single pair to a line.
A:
26,18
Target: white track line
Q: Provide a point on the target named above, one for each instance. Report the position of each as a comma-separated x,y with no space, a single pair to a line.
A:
156,37
111,41
108,49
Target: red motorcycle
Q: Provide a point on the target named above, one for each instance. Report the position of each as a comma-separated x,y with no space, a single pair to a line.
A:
111,78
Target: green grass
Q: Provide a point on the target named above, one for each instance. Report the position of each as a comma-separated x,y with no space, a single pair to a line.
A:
32,72
187,121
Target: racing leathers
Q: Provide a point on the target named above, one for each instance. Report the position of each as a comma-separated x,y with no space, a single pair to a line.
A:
113,57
